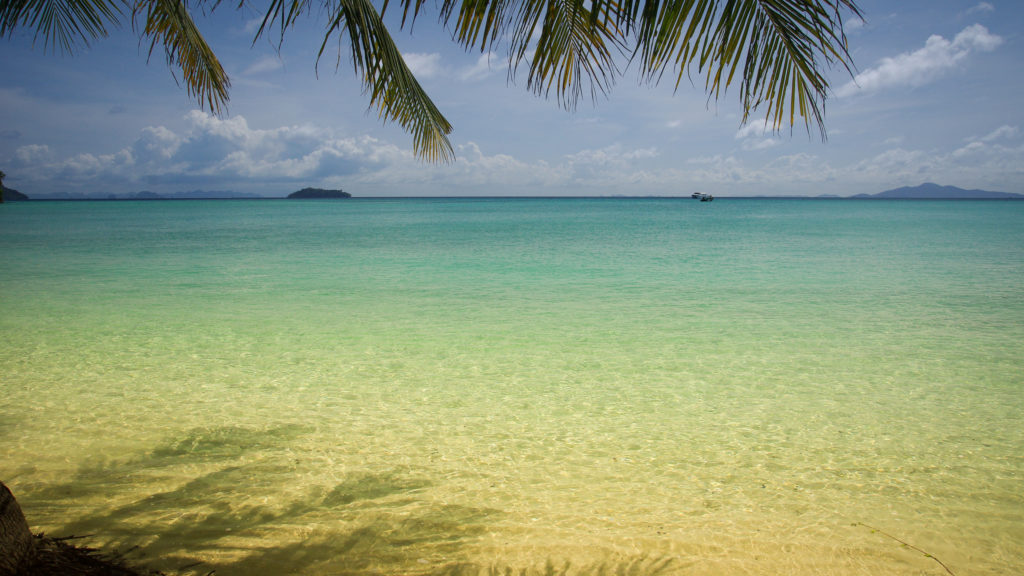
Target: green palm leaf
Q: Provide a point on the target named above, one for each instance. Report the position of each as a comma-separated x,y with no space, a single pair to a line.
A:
169,23
61,23
782,46
392,87
570,48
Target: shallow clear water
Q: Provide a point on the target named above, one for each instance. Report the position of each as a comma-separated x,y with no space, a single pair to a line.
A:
478,386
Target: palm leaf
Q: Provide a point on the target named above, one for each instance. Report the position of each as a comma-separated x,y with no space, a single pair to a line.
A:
779,49
169,23
782,47
61,23
574,49
570,47
392,87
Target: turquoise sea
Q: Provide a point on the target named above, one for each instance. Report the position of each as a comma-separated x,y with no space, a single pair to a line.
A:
519,386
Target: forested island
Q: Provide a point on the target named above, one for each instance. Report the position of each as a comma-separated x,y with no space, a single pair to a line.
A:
307,193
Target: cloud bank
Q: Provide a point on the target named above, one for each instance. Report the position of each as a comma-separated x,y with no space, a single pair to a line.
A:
228,154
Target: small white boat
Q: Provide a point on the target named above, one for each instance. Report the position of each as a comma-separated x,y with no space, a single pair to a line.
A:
702,196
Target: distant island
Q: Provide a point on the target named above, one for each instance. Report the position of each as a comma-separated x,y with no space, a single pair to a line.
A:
933,191
306,193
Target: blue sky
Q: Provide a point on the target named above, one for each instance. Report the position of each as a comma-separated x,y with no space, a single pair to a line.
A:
937,99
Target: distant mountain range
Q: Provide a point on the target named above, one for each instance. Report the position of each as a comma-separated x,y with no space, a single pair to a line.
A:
10,194
935,191
147,195
187,195
192,194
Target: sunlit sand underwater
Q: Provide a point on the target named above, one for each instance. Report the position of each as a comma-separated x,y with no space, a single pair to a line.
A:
519,386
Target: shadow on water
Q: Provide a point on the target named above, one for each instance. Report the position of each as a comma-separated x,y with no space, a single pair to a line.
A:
214,500
232,514
211,446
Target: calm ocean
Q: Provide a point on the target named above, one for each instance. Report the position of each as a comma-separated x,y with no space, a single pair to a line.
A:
585,386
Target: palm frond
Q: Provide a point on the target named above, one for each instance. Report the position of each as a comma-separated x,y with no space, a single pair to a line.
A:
280,13
574,49
782,47
61,23
169,23
392,87
570,46
778,50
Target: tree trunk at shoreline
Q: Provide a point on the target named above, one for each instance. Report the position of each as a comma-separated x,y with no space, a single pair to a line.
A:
16,542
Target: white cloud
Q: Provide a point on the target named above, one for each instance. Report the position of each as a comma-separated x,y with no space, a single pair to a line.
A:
968,150
753,129
427,66
760,144
33,153
155,144
264,64
938,57
613,154
252,25
982,7
230,148
482,68
720,170
475,173
757,135
423,66
97,166
1004,132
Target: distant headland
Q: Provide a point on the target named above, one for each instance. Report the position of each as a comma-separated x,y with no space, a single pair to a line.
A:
307,193
11,195
931,191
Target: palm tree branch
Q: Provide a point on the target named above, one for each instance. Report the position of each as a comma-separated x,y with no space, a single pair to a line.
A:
169,23
781,46
392,87
282,13
61,23
799,37
573,46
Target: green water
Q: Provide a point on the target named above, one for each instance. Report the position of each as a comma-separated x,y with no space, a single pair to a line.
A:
538,386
